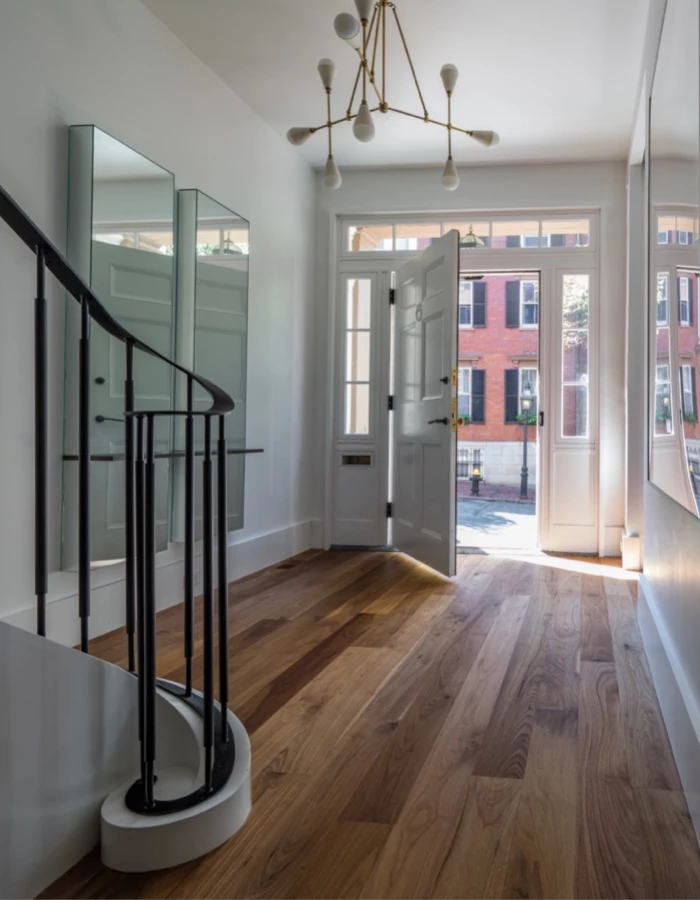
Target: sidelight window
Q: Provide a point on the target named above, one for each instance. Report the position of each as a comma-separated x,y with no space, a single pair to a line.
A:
575,355
357,355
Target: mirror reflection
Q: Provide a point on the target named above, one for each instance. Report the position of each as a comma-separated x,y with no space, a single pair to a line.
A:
213,324
674,161
121,239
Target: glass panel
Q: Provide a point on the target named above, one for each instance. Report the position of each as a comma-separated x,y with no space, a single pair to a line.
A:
218,288
416,237
357,409
121,241
575,411
370,237
575,350
515,234
566,232
663,406
357,356
359,297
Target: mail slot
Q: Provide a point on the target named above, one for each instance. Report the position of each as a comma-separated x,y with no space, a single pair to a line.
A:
357,459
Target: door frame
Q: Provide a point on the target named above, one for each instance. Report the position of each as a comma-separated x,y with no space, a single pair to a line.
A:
548,262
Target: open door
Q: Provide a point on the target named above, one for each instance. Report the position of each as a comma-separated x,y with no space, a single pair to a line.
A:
424,441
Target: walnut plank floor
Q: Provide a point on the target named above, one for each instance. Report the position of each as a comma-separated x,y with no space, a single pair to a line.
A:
496,735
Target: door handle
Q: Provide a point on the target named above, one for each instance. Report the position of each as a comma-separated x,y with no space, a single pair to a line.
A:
102,419
541,418
444,380
444,421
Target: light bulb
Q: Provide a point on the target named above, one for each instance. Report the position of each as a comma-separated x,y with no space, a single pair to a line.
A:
449,75
364,9
450,176
348,29
326,69
487,138
363,126
299,136
331,175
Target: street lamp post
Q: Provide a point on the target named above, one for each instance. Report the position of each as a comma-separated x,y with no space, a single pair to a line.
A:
525,406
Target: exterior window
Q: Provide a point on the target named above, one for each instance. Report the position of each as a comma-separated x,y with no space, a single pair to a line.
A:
530,241
529,304
663,413
468,459
664,237
515,234
528,377
662,299
415,237
565,232
464,393
688,392
466,302
574,335
676,229
684,300
362,238
357,355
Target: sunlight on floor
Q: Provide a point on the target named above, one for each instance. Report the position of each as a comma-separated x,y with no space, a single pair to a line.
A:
577,564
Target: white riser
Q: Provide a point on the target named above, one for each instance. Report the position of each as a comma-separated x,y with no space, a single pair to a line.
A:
135,843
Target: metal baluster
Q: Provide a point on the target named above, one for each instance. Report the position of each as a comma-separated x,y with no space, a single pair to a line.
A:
41,562
150,613
207,570
189,538
222,546
141,588
130,505
84,475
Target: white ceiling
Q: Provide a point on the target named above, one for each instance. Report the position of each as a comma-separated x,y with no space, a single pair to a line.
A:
557,79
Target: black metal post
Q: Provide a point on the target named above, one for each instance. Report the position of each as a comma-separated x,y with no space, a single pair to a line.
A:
523,471
150,613
130,505
84,475
208,600
222,546
41,554
189,538
141,587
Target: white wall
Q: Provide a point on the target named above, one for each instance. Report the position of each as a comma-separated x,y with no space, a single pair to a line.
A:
497,188
112,64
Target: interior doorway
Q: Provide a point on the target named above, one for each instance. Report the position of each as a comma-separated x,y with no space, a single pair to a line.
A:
498,382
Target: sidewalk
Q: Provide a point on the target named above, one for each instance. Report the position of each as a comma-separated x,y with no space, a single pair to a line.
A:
509,493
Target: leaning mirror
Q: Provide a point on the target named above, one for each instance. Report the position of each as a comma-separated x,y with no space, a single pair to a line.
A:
212,333
674,260
121,241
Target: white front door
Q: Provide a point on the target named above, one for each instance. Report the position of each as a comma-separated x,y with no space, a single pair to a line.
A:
425,394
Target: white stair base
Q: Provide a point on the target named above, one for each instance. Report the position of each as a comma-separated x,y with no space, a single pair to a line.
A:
136,843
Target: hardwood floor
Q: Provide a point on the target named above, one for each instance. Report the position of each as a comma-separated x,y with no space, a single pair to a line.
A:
497,735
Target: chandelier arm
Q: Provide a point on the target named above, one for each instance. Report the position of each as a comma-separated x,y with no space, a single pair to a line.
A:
364,62
430,121
354,90
340,121
378,15
410,61
449,124
329,124
384,51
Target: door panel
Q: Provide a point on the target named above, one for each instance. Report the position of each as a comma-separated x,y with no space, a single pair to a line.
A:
424,449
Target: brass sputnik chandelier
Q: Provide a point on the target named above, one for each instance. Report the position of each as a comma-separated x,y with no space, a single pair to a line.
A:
368,38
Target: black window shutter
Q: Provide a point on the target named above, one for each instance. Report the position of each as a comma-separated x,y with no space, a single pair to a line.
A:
478,395
511,395
691,301
556,240
512,240
512,304
479,304
695,392
678,286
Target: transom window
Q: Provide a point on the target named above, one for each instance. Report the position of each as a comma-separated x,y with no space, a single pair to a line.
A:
566,232
677,228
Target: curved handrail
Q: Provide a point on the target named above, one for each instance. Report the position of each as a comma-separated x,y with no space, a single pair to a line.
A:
59,266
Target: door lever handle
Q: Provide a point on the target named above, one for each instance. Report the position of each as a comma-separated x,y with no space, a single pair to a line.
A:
444,421
102,419
541,418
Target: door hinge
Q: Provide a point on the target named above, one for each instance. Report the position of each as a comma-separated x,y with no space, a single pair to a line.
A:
392,296
388,511
391,402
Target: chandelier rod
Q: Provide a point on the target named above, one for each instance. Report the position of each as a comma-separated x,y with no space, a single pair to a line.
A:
410,61
384,53
430,121
352,96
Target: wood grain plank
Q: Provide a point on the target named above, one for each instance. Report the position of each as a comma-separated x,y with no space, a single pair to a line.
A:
596,637
410,862
602,748
543,850
476,864
611,850
559,681
673,860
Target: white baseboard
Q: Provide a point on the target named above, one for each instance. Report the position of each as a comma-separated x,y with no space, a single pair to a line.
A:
246,554
679,702
611,537
631,546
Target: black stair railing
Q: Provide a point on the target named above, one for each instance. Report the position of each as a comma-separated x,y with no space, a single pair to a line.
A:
140,531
